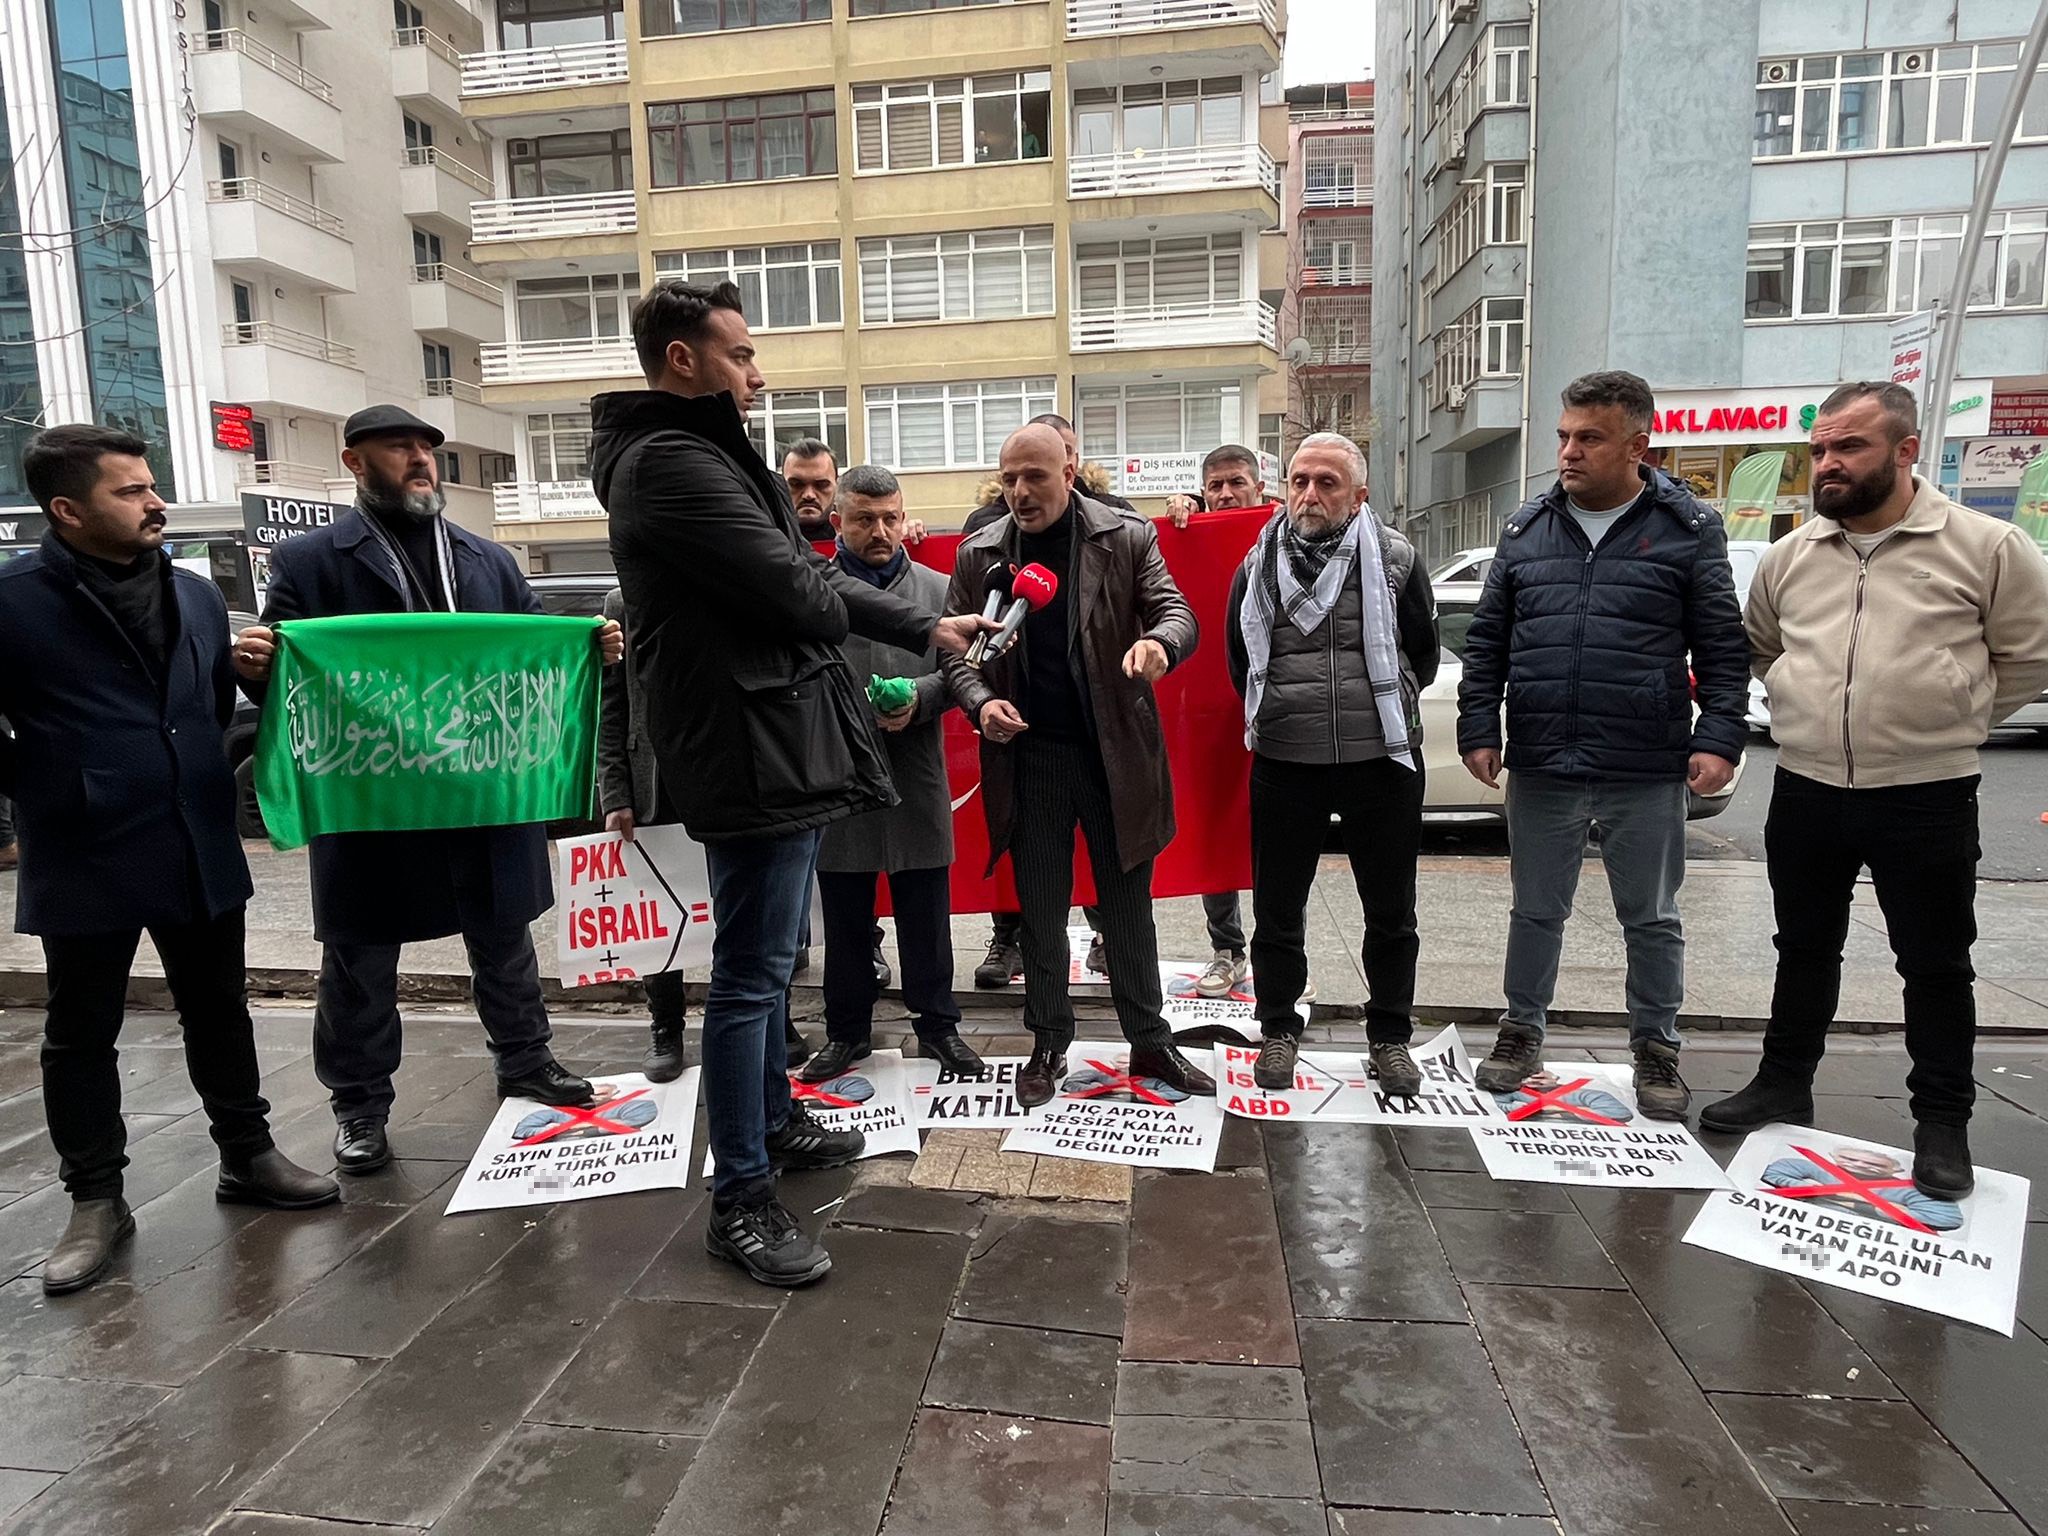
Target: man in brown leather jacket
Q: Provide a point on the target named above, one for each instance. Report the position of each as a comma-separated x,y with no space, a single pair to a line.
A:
1070,735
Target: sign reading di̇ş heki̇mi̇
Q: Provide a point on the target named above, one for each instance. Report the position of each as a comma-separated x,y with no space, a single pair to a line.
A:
1579,1123
1104,1114
636,1135
1337,1085
872,1096
1844,1212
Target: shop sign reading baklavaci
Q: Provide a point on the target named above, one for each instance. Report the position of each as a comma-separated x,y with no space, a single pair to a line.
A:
1785,415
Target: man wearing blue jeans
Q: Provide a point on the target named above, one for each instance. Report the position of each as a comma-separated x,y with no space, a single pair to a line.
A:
1609,604
760,735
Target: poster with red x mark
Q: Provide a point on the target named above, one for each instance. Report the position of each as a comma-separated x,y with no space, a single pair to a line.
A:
1578,1123
1105,1113
633,1135
1844,1212
1339,1085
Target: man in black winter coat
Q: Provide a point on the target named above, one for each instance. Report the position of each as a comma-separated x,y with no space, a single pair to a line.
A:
761,737
1604,590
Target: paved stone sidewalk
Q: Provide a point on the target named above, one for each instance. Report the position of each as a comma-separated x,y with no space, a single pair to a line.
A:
1344,1331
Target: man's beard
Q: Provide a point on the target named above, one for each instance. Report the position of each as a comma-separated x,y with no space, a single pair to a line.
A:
385,496
1856,498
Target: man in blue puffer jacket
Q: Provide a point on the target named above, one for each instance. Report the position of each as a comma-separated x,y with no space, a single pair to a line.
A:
1605,590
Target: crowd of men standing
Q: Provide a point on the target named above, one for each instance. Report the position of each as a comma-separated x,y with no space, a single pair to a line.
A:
1894,630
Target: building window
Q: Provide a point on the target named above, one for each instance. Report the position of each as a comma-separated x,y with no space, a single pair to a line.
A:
950,426
1204,270
1506,204
1909,98
901,7
571,164
671,18
1190,417
1494,74
1861,267
1484,342
1171,114
1272,427
742,138
558,23
496,468
418,134
926,123
21,391
426,250
990,274
449,463
783,287
785,416
558,445
584,308
437,364
1336,252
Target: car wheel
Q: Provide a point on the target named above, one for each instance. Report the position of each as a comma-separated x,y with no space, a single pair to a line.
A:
248,813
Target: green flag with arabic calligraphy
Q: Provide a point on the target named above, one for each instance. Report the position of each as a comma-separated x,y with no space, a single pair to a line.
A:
395,722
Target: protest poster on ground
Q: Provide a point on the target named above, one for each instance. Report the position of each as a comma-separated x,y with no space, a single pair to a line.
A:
1844,1212
872,1097
1104,1114
1337,1085
941,1099
1186,1008
635,1136
1579,1123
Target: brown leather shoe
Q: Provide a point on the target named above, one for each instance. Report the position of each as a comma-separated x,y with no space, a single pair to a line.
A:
82,1254
271,1179
1040,1077
1174,1069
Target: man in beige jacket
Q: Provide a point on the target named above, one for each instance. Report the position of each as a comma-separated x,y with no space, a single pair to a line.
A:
1893,632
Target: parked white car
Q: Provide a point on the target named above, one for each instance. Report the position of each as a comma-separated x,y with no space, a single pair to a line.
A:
1465,565
1451,793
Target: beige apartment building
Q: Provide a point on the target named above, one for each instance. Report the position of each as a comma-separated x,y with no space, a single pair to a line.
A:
945,218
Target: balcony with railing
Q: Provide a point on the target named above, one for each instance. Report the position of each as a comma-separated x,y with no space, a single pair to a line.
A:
1336,171
544,501
436,189
447,301
1189,168
456,407
281,472
582,215
251,88
1337,274
426,68
568,360
518,71
268,364
1231,322
1104,18
252,224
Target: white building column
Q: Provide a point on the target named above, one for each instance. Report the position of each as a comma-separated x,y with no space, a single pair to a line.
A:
42,194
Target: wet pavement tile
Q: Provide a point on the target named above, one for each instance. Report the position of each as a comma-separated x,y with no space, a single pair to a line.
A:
1208,1282
2033,1299
551,1478
32,1324
1391,1522
1047,1271
1446,1149
971,1474
17,1488
186,1462
1030,1373
1851,1452
1483,1192
1172,1514
473,1372
49,1424
1241,1145
901,1208
1576,1363
1409,1416
1358,1243
31,1225
1250,1458
1737,1327
663,1367
1211,1391
1524,1248
1811,1519
246,1523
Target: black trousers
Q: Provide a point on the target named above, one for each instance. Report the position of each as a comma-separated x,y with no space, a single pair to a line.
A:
358,1041
1919,842
1379,804
924,942
1061,785
667,999
1225,917
88,987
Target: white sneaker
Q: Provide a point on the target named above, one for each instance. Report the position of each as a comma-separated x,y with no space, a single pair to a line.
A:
1224,973
1308,990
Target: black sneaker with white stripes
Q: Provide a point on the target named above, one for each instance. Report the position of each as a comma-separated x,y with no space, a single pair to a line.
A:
807,1142
762,1238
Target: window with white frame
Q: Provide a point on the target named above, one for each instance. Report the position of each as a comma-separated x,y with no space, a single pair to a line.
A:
1484,342
1854,267
1494,74
1905,98
558,445
1190,416
1158,114
585,307
1338,329
950,426
782,287
1272,425
1205,270
1507,203
784,416
984,274
920,124
1336,252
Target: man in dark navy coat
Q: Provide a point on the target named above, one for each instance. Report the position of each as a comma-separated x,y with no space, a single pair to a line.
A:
394,552
114,674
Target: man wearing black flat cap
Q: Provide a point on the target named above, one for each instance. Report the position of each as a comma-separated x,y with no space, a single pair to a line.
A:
394,552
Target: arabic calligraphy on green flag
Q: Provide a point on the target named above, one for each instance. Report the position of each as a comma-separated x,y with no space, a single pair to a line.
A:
391,722
1753,494
2030,506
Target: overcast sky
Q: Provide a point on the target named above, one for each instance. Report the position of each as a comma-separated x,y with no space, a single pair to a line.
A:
1328,40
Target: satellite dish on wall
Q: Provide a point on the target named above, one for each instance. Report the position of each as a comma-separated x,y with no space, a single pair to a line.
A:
1298,351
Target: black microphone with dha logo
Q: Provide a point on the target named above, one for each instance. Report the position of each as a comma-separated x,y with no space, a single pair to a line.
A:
996,583
1032,588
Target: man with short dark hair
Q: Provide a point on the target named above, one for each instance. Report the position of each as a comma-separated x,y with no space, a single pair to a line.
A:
1605,588
911,843
1897,628
114,674
761,736
811,470
395,551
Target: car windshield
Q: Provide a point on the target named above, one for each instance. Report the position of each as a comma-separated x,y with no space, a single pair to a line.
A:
1452,621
